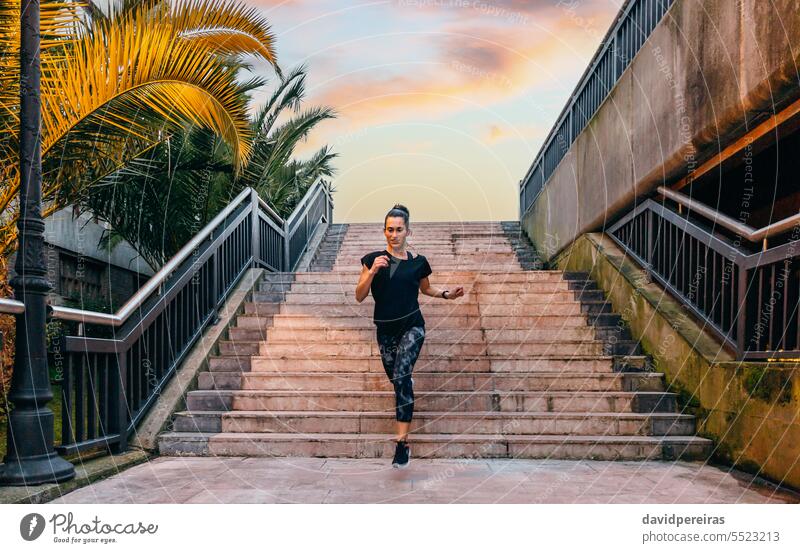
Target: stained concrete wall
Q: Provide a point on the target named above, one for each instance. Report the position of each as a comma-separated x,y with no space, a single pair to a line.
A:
706,72
81,236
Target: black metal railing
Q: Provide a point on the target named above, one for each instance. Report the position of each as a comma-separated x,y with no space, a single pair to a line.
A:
749,298
109,383
633,25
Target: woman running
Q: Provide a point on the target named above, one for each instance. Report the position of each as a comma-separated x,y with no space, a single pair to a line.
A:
395,276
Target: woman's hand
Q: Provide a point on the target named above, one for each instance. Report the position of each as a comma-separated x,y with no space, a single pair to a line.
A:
457,293
379,263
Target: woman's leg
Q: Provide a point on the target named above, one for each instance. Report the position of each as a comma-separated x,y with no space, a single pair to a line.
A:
408,349
388,344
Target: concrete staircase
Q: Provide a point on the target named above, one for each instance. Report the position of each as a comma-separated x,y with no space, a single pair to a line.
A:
528,364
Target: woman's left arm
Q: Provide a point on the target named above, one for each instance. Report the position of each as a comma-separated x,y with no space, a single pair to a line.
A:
426,288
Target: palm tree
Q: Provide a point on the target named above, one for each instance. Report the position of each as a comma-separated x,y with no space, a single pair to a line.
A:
163,198
114,85
271,171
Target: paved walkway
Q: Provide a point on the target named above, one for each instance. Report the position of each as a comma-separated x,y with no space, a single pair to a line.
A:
315,480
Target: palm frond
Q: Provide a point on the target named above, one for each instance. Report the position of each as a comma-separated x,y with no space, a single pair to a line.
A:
114,83
284,139
226,25
289,94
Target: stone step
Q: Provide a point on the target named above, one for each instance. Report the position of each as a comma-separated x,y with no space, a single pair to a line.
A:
278,350
473,255
622,347
432,320
474,275
461,381
375,422
373,232
451,263
275,349
477,252
597,447
555,363
498,287
464,401
449,308
470,296
582,284
254,321
424,231
492,242
327,334
347,269
425,363
421,241
594,309
612,333
237,379
490,245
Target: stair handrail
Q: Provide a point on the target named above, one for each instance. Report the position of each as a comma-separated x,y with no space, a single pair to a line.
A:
745,231
11,306
117,319
312,190
266,207
730,291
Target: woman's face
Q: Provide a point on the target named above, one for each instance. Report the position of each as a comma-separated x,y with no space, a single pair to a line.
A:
396,231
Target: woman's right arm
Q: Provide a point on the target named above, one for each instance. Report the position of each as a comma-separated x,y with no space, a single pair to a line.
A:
364,282
367,274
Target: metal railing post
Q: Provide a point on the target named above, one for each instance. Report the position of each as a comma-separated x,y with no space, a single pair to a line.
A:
256,229
118,411
286,248
215,286
328,203
650,246
31,458
741,320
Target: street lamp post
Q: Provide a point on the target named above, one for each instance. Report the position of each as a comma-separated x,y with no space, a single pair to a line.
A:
31,458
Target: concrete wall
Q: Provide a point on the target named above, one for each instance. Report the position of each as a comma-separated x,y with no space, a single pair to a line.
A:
72,256
700,80
81,235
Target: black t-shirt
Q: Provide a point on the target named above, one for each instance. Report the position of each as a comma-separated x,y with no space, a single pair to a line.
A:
395,290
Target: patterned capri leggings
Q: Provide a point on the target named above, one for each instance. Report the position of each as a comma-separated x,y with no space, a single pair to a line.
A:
399,352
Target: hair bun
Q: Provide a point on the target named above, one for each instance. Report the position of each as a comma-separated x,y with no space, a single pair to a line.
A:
401,207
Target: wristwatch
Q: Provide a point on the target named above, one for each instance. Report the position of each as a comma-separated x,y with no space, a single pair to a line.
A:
444,294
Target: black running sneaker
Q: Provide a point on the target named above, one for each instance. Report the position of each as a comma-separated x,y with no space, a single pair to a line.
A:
401,455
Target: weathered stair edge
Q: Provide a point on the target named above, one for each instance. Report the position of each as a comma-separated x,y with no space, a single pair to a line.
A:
325,254
609,326
602,448
526,254
314,244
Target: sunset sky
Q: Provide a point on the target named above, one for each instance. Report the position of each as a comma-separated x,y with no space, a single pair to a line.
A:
442,104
